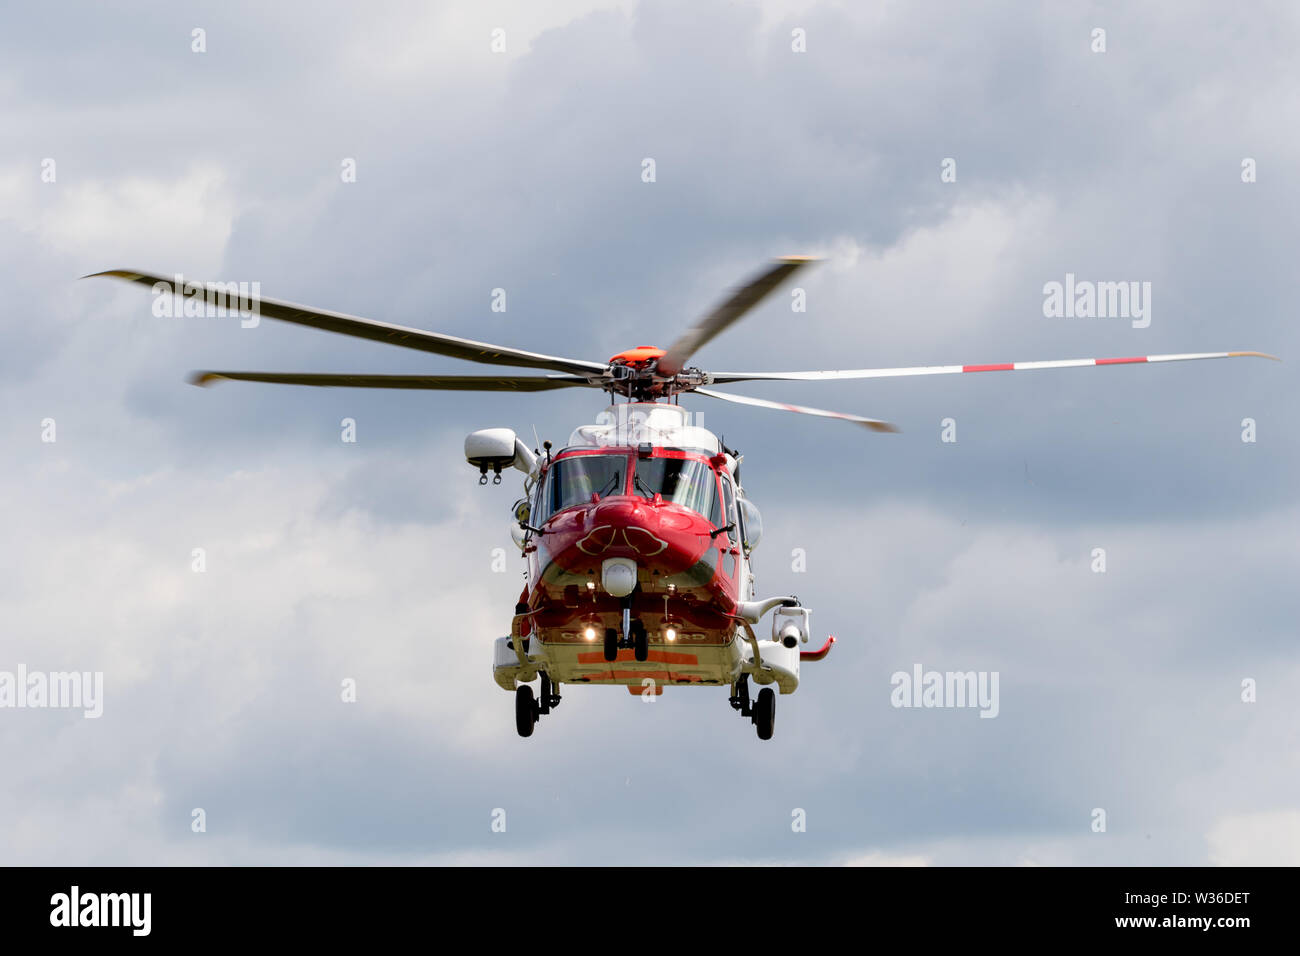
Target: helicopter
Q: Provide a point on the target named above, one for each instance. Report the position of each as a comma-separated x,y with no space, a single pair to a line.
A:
637,532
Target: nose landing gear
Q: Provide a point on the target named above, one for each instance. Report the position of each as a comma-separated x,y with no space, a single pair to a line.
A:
635,636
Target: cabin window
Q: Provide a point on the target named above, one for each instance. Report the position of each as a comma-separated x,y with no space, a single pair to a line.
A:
572,481
685,481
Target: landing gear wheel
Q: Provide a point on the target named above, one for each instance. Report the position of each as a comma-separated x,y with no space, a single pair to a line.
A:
611,644
525,710
640,641
765,713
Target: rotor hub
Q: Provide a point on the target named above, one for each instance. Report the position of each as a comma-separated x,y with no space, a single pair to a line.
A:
634,373
640,355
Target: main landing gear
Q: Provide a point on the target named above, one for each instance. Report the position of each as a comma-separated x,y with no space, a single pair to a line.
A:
762,713
528,711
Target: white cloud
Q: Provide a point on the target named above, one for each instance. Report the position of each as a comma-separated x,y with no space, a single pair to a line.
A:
124,222
1267,838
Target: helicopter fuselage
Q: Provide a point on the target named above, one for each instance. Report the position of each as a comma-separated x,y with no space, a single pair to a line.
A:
638,540
688,584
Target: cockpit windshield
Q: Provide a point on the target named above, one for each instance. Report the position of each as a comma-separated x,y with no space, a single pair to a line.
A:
684,481
572,481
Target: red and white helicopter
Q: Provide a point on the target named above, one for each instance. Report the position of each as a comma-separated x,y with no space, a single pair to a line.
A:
637,533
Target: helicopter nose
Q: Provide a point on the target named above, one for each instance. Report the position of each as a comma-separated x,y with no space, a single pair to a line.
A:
625,524
620,510
629,539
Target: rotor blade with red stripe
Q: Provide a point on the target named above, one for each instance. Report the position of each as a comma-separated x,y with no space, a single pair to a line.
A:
722,378
875,424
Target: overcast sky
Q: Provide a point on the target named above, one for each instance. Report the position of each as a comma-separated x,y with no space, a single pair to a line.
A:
522,170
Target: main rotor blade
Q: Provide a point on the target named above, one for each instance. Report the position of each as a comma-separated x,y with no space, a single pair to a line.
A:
875,424
740,302
721,378
452,383
371,329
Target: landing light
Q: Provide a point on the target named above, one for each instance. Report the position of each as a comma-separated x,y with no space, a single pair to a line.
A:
589,633
670,634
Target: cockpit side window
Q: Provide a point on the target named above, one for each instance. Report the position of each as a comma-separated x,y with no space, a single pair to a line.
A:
685,481
728,505
751,525
572,481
